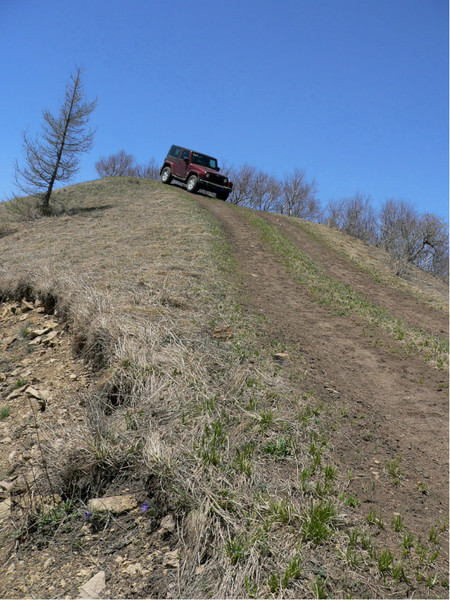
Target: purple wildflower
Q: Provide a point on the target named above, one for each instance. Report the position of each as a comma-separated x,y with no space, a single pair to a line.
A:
87,514
145,506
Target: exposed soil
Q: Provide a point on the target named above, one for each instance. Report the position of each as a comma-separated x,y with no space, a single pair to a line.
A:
397,404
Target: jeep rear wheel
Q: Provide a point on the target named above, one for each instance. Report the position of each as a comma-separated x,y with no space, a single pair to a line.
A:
192,184
166,175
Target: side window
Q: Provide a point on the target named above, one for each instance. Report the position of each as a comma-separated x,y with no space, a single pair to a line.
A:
185,155
175,151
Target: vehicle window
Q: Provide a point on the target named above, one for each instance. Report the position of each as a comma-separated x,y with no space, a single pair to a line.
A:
185,155
204,161
175,151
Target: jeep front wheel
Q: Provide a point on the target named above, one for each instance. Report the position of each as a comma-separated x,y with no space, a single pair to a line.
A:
192,184
166,175
222,195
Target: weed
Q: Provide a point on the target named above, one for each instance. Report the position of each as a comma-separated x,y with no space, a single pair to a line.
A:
385,561
316,521
352,501
274,583
250,588
281,511
352,557
19,383
398,573
423,488
293,570
397,523
236,549
434,536
407,543
24,332
266,418
4,412
393,468
431,581
212,443
374,519
279,448
319,588
243,457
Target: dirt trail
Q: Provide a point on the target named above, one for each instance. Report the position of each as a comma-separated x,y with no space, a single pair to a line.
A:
397,302
396,407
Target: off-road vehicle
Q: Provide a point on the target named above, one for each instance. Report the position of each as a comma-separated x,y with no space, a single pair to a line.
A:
197,171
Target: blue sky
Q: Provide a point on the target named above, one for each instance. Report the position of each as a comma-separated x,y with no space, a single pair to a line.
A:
355,92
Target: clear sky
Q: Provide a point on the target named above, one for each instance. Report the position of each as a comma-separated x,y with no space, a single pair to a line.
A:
355,92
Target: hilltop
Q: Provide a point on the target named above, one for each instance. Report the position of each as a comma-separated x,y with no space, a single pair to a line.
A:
259,402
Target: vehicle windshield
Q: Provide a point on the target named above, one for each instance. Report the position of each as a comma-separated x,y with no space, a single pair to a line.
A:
204,161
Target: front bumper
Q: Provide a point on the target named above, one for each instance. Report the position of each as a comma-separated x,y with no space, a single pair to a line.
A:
211,186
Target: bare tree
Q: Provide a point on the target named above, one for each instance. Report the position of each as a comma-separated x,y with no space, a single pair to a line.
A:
298,197
355,216
412,238
55,157
243,184
115,164
147,171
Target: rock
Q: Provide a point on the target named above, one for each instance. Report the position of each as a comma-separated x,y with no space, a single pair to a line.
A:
114,504
34,333
26,306
41,396
94,587
134,569
7,341
5,509
16,393
167,525
2,377
49,339
171,560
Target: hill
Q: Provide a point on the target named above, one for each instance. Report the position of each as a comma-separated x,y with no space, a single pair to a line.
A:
200,400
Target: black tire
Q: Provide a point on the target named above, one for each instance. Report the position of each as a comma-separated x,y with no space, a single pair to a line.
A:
166,175
222,195
192,184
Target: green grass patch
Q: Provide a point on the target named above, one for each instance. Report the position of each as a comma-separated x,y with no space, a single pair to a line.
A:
344,300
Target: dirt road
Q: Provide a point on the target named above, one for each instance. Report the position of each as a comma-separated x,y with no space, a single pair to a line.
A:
394,406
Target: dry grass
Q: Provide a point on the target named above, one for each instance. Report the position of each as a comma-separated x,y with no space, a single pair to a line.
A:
378,263
207,427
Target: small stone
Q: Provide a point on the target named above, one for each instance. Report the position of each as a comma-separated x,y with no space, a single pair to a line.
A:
16,393
5,509
114,504
167,524
171,559
94,587
34,333
50,338
26,306
7,341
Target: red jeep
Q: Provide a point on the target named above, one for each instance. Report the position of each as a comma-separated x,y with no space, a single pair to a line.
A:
197,171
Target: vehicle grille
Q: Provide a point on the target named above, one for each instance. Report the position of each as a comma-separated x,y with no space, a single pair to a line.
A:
219,179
